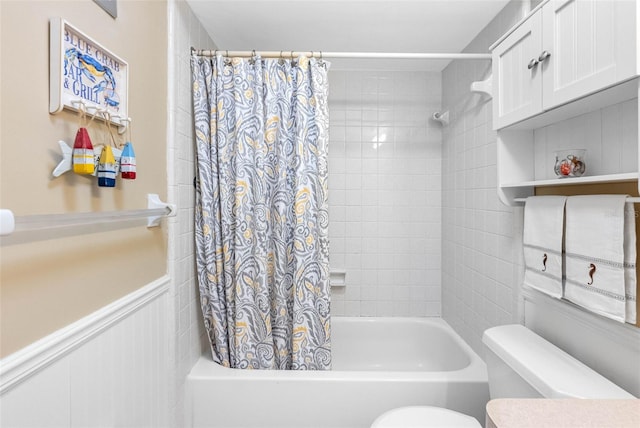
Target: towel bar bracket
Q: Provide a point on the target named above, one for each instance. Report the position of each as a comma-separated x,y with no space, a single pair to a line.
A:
154,202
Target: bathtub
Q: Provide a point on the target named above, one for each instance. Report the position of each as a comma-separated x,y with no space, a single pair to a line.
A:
378,364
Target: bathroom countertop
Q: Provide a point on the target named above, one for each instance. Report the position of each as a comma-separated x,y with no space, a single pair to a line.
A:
562,413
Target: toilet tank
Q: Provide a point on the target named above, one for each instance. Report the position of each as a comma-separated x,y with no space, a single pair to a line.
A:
521,364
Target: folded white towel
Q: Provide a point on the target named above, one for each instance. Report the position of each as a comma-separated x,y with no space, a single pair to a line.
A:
542,242
595,260
630,255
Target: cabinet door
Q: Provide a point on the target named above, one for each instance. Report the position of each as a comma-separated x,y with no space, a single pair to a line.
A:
592,45
518,87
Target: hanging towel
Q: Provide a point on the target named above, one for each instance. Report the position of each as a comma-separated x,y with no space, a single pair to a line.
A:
542,242
630,255
596,266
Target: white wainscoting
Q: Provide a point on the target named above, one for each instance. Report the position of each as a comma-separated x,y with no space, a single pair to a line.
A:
108,369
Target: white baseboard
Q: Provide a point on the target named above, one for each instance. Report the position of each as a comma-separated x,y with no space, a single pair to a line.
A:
28,361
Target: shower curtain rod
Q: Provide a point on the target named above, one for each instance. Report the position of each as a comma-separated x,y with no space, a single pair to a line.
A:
360,55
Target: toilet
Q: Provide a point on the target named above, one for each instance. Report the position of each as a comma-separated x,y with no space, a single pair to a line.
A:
520,364
424,416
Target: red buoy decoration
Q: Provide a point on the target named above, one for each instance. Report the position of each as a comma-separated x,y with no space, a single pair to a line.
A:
83,161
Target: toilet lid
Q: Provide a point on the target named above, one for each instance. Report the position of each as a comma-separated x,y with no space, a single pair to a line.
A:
424,417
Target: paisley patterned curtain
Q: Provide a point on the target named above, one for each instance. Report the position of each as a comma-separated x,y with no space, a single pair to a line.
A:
261,221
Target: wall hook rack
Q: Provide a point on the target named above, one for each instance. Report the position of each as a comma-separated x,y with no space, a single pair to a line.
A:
103,114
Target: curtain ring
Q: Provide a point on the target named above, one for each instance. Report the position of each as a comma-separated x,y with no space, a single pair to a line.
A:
293,62
252,60
281,60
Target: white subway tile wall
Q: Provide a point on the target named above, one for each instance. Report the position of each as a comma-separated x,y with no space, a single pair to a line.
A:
186,329
481,260
385,192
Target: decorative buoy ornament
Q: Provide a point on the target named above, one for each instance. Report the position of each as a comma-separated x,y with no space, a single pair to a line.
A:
83,161
128,162
107,168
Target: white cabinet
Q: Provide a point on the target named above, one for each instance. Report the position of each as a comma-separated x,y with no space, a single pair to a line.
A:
566,77
565,50
592,45
517,77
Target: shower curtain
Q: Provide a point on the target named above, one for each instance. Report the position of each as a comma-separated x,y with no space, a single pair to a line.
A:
261,217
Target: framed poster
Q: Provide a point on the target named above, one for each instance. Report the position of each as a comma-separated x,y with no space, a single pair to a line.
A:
83,72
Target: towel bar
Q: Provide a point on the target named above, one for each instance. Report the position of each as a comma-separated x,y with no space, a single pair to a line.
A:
630,200
154,213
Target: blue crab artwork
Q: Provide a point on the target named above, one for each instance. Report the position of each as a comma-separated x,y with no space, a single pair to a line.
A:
97,73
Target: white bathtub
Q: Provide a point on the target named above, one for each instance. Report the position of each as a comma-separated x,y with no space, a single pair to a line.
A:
378,364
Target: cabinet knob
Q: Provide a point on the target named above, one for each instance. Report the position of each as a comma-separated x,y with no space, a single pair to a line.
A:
532,63
544,55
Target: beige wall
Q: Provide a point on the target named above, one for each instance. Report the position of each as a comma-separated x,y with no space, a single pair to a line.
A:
48,284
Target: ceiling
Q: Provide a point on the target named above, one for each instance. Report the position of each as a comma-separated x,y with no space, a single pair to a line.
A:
348,26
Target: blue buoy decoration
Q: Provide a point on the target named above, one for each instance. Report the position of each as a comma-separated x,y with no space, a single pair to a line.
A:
128,162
